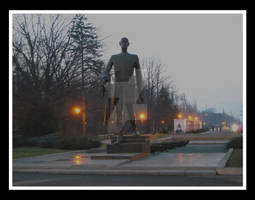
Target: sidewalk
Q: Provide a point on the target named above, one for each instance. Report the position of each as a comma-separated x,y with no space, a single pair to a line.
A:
98,162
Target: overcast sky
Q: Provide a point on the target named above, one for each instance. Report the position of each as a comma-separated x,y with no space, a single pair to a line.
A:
202,52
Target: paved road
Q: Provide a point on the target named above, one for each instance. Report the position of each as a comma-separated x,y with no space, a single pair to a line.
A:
40,179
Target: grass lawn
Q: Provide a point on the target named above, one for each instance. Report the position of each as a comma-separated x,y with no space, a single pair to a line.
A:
23,152
236,159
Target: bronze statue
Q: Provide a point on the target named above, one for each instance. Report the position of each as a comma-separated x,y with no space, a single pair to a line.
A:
124,89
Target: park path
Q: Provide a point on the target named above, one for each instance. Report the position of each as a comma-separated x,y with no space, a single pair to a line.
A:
93,162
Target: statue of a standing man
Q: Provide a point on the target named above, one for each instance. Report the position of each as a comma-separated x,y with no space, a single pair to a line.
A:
124,88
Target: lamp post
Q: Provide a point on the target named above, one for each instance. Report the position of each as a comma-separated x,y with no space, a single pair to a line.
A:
80,110
142,117
162,125
83,117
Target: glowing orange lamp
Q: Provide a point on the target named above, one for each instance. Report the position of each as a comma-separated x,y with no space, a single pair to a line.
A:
190,117
180,115
142,116
77,110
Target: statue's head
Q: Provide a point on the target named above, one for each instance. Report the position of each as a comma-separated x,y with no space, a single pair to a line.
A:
124,43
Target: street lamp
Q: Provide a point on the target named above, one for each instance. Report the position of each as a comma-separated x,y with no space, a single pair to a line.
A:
142,117
189,117
180,115
76,110
234,127
162,125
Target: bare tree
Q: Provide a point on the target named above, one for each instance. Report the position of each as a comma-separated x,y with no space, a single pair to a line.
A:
47,67
154,76
159,91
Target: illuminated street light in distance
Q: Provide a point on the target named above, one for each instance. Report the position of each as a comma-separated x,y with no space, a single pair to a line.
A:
189,117
196,118
180,115
142,116
234,127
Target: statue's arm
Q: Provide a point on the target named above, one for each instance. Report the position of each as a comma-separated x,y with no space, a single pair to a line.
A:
138,75
106,73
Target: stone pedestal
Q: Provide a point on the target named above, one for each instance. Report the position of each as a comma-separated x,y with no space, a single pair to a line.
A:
131,144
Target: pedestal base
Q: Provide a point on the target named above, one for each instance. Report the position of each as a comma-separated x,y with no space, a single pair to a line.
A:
131,144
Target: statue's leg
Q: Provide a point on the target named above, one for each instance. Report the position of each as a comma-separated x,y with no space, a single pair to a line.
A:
119,112
131,116
107,111
119,107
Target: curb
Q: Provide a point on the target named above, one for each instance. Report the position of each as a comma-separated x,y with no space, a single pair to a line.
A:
117,157
224,160
229,171
223,170
208,142
122,172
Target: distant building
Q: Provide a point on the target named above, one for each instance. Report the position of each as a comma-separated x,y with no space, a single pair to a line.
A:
186,124
180,125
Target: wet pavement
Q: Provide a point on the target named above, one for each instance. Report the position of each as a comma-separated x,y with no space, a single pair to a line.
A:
200,148
196,164
169,160
191,155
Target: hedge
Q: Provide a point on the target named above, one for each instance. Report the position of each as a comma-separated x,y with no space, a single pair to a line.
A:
56,141
164,146
235,143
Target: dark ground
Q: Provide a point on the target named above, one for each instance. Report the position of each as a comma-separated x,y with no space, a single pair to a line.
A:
41,179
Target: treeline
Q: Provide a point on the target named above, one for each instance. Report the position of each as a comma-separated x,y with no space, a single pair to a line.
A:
51,55
214,119
57,60
162,98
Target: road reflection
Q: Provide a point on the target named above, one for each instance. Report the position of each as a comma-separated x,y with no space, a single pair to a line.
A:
180,157
79,159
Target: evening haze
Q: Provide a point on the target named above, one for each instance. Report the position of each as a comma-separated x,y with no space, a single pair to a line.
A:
202,53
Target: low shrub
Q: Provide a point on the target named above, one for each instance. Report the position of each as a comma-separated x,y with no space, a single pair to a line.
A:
57,141
235,143
18,141
76,142
46,141
198,130
164,146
